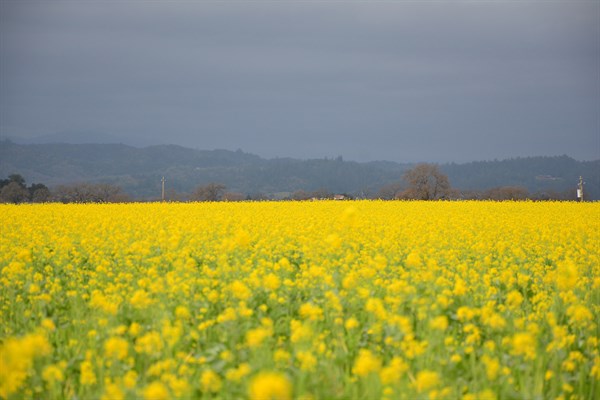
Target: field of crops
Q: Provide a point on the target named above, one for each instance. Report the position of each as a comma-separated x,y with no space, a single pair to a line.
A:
300,300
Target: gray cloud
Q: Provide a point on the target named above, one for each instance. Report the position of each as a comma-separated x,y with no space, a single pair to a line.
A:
402,81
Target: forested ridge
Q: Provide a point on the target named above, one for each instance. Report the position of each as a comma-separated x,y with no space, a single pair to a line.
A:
138,171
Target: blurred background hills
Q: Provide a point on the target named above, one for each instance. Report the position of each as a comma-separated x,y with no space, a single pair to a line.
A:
66,158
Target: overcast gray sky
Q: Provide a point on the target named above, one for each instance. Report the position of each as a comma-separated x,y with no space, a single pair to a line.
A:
373,80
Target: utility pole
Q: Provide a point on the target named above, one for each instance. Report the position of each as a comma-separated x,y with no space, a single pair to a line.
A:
163,188
580,189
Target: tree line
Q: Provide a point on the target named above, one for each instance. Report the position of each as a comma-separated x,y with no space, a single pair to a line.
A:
427,182
422,182
14,190
138,172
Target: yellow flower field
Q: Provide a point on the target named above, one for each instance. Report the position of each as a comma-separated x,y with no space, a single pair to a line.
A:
300,300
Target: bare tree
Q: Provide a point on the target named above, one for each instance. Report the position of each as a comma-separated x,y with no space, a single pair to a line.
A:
390,192
74,193
507,193
426,182
107,193
300,195
14,193
469,195
233,196
13,190
39,193
209,192
89,193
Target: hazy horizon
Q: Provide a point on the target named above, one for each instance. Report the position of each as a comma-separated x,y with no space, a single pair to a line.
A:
49,139
397,81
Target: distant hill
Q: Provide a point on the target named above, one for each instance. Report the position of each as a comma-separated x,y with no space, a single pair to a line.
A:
139,170
81,137
537,174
